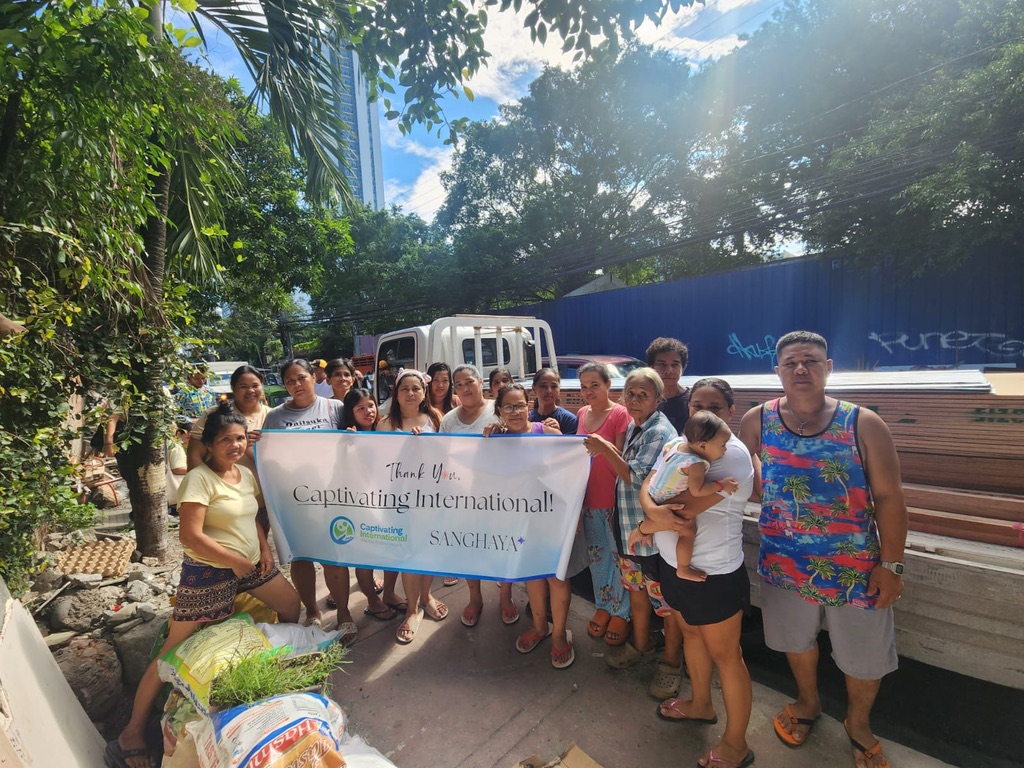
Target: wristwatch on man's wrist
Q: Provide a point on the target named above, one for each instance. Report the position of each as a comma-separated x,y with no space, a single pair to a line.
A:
893,565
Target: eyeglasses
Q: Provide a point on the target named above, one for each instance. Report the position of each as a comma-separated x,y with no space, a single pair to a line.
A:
515,408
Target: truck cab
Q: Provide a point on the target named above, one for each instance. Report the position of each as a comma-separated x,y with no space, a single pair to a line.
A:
486,341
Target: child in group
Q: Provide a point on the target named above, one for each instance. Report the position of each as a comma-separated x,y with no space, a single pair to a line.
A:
682,466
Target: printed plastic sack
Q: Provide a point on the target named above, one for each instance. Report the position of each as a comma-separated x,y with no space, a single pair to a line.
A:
293,730
191,665
298,640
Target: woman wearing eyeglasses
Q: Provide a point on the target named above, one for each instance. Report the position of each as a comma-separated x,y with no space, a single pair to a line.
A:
600,416
513,409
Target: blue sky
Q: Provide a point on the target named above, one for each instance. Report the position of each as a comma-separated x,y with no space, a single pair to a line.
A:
412,163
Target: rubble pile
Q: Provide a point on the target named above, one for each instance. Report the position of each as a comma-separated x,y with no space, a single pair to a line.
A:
102,615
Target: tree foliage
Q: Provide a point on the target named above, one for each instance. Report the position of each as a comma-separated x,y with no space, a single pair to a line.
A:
83,91
869,127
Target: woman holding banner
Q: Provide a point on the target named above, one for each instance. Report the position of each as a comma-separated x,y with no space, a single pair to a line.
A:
411,412
471,417
513,409
306,410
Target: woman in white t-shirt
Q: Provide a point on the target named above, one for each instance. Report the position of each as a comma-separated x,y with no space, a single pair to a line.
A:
307,410
710,612
226,553
471,417
412,412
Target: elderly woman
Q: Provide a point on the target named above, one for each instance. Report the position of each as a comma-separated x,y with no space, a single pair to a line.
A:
710,612
648,432
341,375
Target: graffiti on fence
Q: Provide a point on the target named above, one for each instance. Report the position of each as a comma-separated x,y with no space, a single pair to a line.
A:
756,351
994,344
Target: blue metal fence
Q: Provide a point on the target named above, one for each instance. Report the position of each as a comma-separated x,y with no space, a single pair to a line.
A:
730,321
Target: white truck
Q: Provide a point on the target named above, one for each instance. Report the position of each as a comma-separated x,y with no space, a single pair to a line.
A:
486,341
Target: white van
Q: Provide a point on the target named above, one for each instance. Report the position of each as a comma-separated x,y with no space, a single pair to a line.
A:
219,378
486,341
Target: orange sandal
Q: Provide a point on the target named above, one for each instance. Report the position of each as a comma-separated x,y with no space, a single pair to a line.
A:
869,754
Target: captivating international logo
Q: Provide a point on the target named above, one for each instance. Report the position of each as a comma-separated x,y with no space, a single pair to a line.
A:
342,530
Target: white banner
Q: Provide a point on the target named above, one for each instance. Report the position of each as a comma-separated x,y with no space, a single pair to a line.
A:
482,508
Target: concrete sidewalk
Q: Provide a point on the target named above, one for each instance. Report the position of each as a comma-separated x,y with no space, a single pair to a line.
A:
465,698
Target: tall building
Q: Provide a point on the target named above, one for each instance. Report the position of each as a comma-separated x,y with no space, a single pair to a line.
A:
366,177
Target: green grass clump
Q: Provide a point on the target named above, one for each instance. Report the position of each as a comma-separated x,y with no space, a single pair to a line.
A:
259,677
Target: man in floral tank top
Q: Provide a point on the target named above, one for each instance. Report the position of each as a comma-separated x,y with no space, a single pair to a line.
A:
833,530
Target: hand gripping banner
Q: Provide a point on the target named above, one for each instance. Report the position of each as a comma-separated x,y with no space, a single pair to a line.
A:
481,508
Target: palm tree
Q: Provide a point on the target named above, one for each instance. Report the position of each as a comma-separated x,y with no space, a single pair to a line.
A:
798,486
820,566
851,577
833,470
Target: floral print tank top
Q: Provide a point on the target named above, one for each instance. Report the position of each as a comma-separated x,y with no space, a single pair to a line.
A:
818,534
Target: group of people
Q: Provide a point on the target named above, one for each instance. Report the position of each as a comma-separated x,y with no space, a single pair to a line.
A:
660,529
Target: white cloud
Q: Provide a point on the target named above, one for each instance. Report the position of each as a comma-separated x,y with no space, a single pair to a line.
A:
424,195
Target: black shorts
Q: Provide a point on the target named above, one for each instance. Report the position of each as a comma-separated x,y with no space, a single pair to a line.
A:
706,602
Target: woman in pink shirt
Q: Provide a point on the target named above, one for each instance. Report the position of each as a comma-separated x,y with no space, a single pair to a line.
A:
600,416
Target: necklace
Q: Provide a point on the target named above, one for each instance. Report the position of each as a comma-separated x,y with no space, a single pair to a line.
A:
804,422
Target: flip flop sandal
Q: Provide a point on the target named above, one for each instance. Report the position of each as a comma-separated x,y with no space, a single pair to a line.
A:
598,624
509,616
449,581
666,681
563,659
438,611
869,754
471,615
529,640
673,706
714,761
401,607
330,602
313,621
617,632
349,633
387,613
787,738
406,631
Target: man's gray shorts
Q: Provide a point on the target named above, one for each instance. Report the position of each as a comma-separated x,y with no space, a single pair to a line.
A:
863,642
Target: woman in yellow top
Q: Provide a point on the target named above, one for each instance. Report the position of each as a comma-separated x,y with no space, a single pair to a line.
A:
226,553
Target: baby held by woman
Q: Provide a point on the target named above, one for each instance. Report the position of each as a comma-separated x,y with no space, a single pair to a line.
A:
682,466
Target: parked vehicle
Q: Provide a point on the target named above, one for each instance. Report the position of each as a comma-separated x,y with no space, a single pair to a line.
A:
486,341
619,366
